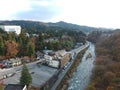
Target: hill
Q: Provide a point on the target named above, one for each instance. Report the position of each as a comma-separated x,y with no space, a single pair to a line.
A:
73,26
36,25
106,73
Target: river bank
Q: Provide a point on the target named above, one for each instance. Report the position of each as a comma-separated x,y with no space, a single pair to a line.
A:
82,76
66,80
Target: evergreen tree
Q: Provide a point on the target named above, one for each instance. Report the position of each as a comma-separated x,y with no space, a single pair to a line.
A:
41,38
67,44
30,50
2,47
25,78
23,41
9,36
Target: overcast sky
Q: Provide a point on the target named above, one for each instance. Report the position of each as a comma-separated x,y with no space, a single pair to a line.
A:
97,13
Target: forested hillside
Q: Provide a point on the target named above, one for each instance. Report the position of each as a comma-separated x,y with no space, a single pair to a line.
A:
106,74
95,36
27,43
36,26
73,26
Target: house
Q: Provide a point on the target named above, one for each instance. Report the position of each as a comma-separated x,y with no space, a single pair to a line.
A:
47,51
60,53
27,35
47,57
35,35
63,56
11,28
53,63
15,87
39,55
7,63
16,62
54,39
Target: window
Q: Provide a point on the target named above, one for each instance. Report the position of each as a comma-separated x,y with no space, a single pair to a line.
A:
11,30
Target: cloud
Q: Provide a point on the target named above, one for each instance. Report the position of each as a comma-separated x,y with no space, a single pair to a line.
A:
10,7
98,13
37,13
84,12
42,10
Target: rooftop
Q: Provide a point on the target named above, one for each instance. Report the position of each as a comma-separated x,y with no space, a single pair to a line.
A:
14,87
40,74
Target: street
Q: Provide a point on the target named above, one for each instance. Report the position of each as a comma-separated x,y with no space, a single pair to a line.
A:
12,75
63,73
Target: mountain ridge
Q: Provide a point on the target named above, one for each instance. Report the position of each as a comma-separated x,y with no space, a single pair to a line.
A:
43,25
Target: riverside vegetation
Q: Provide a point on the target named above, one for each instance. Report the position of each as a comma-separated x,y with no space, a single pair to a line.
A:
65,81
106,74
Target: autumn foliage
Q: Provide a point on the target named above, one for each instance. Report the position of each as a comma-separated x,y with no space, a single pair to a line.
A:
1,84
106,74
11,48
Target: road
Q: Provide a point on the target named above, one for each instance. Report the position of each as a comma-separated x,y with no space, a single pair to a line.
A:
15,70
8,71
63,73
40,74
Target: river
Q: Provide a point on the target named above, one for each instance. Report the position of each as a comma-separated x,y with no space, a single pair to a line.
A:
82,75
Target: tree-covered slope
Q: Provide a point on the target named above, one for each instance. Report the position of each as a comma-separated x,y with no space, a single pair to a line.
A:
33,26
106,73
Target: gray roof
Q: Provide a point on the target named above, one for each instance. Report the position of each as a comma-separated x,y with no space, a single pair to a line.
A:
40,75
14,87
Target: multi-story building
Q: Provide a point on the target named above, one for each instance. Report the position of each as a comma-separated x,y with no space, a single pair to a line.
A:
11,28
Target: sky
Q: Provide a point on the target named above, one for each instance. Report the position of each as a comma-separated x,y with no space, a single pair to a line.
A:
96,13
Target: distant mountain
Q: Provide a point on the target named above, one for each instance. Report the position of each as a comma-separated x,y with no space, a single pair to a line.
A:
72,26
24,24
76,27
29,26
36,25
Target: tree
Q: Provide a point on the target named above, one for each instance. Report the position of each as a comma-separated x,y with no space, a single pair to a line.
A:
110,88
94,36
41,38
2,47
90,87
106,74
23,41
1,85
11,48
31,50
25,78
67,44
39,44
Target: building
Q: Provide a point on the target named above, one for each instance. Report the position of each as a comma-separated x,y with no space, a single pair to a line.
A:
15,87
54,64
47,51
40,75
11,28
15,62
63,56
54,39
47,57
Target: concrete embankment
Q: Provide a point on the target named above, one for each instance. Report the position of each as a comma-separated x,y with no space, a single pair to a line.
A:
82,76
65,81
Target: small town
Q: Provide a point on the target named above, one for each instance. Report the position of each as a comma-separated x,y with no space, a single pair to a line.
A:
59,45
44,68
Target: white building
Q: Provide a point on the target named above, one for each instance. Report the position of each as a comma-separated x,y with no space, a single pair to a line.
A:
47,57
54,63
11,28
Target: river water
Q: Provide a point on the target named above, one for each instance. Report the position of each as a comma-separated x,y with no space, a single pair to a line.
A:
83,73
